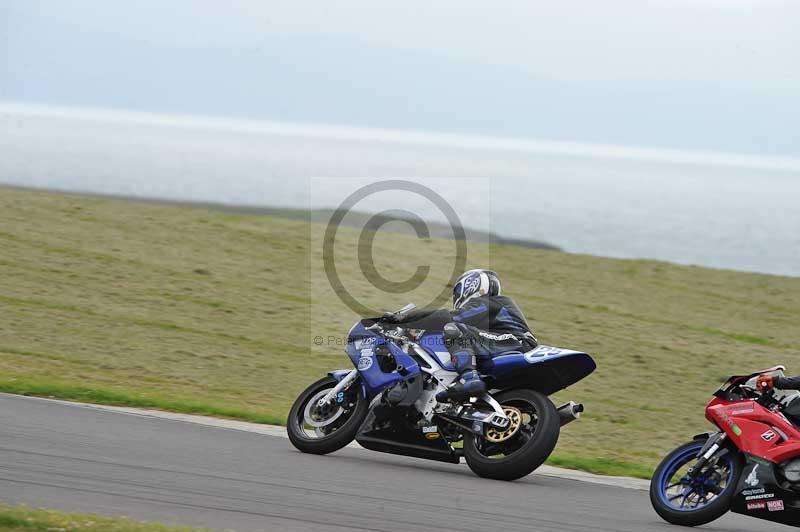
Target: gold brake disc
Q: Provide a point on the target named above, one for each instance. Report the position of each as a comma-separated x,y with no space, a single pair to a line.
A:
515,421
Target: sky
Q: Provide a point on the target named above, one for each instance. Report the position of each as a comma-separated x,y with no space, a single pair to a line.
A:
719,75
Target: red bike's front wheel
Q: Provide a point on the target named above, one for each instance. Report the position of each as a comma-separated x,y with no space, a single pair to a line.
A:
694,499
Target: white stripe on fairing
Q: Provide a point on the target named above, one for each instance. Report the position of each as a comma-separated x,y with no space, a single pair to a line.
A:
444,357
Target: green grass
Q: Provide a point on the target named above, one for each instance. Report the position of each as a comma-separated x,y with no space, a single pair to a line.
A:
56,390
25,519
602,466
198,311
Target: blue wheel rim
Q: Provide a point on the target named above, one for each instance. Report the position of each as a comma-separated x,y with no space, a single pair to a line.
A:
681,493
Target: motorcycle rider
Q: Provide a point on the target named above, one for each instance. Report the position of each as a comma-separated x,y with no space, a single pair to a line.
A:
767,382
791,408
483,323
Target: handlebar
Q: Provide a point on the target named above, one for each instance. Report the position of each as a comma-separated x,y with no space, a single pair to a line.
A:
765,398
395,335
398,333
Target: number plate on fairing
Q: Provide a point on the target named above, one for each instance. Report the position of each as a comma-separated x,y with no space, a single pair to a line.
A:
545,351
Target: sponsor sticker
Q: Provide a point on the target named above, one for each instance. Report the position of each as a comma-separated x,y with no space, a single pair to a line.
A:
760,497
497,337
769,436
431,432
742,409
364,363
363,343
757,505
775,506
752,478
731,423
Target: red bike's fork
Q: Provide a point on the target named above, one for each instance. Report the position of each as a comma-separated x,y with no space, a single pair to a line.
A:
711,448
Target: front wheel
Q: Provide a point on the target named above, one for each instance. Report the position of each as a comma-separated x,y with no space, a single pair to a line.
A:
693,500
524,446
323,429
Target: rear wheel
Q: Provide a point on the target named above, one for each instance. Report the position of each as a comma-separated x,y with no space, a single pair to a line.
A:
524,446
692,500
324,428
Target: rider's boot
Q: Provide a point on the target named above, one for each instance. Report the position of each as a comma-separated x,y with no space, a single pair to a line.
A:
469,382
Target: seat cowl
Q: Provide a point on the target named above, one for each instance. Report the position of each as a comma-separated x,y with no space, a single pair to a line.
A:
546,369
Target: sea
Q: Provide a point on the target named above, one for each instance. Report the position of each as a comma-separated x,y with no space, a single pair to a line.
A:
720,210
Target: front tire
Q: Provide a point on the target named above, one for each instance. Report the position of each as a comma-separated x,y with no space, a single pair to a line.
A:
332,429
682,500
527,449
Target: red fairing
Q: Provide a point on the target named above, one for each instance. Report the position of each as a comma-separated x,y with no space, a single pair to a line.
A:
756,430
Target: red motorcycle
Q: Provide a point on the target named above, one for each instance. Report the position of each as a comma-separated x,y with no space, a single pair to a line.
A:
751,466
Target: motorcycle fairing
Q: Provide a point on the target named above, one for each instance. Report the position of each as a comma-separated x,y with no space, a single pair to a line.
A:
361,346
433,343
400,438
545,369
748,423
759,494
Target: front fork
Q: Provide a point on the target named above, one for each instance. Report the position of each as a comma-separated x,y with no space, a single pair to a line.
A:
343,384
709,450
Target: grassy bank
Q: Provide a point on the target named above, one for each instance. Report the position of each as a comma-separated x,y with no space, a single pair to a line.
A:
211,312
25,519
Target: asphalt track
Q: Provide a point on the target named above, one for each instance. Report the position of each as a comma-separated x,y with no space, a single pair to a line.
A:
69,457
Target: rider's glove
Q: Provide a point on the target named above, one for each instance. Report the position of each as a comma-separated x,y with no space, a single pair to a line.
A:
765,383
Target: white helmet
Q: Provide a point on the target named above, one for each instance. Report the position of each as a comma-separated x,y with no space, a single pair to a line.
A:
475,283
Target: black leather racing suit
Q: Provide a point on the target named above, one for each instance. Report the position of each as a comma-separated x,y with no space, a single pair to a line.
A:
786,383
490,325
792,410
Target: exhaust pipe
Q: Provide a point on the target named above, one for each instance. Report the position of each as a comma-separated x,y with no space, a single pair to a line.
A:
569,412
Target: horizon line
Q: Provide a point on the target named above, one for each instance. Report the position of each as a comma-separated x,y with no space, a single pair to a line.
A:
403,136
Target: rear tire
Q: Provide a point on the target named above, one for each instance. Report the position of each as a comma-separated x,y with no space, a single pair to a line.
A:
531,454
711,511
341,435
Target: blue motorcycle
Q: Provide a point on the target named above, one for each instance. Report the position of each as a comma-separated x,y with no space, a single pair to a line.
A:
388,403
